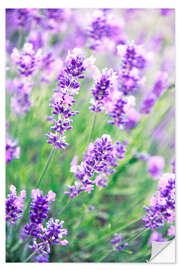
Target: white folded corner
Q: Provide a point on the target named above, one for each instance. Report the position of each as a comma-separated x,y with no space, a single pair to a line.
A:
163,252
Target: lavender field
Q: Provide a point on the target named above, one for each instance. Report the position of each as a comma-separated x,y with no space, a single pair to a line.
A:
90,134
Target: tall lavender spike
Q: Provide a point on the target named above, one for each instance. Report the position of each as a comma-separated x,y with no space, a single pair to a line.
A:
99,162
162,204
133,61
38,211
63,98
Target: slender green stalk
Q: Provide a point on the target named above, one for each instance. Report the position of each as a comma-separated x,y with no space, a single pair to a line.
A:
64,208
93,126
129,240
20,38
46,167
30,256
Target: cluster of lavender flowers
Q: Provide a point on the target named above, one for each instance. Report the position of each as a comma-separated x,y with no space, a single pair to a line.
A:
29,19
63,98
160,85
117,242
105,30
28,61
133,61
43,237
98,163
54,19
12,148
162,206
106,96
14,205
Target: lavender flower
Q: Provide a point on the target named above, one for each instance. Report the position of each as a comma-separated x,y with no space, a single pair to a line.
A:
148,103
12,149
116,242
133,56
160,84
99,162
20,101
121,109
104,30
151,98
118,113
38,211
156,236
133,61
28,61
133,116
63,98
25,17
173,164
14,205
55,19
162,204
50,235
42,258
155,166
171,231
74,190
104,84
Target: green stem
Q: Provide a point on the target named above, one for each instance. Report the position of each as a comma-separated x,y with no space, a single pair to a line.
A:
92,128
68,203
30,256
46,166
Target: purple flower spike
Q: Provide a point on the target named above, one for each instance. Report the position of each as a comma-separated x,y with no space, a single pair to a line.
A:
50,235
160,85
28,60
118,113
63,98
105,30
38,211
116,242
14,205
133,61
12,149
132,56
155,166
104,84
98,163
20,101
74,190
162,206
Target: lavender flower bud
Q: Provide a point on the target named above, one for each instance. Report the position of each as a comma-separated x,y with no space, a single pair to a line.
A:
14,205
27,61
